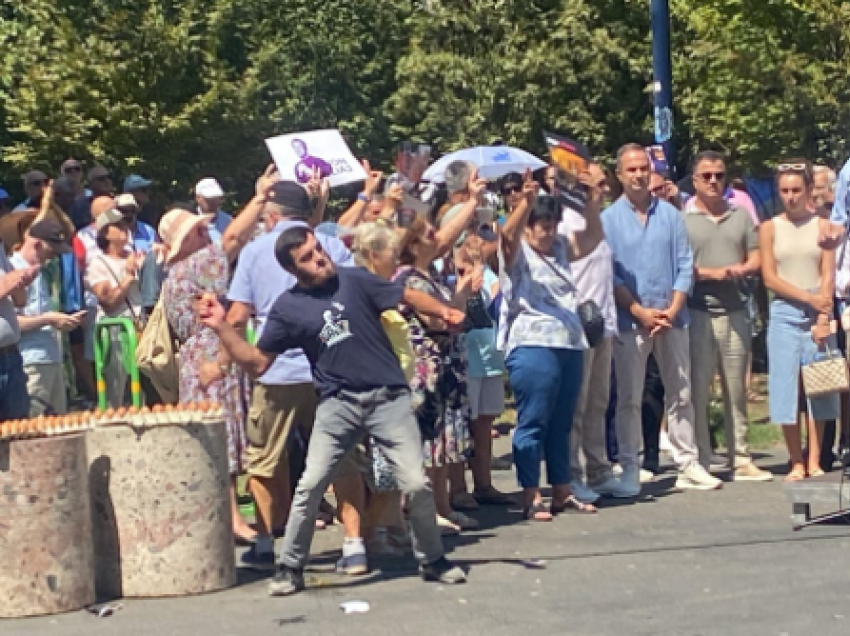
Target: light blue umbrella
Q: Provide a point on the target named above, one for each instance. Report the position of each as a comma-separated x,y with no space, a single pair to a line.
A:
492,161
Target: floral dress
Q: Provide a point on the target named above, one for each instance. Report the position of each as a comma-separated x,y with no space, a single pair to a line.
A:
205,271
441,367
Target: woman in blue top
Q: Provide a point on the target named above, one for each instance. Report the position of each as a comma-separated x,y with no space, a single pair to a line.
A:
543,339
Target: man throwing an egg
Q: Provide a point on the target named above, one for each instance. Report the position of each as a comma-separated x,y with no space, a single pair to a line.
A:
334,317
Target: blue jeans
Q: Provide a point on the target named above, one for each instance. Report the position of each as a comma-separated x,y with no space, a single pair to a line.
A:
14,398
546,383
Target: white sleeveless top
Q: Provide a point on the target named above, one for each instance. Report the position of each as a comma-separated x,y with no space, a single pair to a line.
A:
539,305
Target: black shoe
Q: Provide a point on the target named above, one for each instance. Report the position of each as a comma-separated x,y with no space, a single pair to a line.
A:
255,560
443,571
651,461
286,581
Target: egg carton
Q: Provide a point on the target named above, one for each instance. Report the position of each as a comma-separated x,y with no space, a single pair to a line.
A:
159,415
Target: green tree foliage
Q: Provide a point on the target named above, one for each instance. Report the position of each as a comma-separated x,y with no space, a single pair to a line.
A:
178,89
764,78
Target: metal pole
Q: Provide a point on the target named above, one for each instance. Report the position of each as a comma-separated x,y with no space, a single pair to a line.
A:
662,75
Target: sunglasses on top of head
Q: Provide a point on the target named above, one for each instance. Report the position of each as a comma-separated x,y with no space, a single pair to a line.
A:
792,167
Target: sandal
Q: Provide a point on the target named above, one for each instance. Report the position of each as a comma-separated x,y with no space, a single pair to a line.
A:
464,501
536,512
571,504
817,472
447,528
492,497
796,474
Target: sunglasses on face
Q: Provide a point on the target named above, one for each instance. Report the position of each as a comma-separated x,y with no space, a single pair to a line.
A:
69,169
104,177
38,182
708,177
509,190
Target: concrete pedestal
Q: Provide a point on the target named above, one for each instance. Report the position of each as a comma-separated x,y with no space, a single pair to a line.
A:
46,561
161,510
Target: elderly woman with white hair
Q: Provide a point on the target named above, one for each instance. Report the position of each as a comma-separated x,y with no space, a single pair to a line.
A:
195,267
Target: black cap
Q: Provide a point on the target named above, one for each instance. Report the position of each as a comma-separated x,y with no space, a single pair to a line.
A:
291,196
53,234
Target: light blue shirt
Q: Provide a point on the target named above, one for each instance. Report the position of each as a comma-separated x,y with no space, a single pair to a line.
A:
218,226
484,360
842,196
259,280
651,260
144,236
40,346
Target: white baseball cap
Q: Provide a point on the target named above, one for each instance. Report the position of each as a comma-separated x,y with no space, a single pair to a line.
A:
209,188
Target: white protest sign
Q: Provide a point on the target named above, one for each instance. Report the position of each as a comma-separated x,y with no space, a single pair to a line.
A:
296,155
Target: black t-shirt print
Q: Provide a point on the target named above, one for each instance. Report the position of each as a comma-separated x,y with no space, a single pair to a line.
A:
338,326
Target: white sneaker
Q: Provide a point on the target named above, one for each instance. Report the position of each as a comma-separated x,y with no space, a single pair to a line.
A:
664,444
646,476
616,469
583,493
695,477
615,488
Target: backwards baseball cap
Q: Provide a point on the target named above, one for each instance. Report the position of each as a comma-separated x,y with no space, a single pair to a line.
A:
109,217
291,196
135,182
51,233
209,188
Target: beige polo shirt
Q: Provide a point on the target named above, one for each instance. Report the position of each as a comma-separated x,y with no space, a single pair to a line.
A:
720,242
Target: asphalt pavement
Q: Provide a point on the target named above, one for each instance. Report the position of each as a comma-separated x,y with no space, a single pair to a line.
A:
724,562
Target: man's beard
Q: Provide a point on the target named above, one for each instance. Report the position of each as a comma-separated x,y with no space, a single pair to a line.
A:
317,280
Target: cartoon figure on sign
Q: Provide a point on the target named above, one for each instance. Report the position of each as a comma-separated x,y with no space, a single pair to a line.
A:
304,168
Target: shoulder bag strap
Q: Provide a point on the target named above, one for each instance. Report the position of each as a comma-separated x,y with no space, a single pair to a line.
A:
118,282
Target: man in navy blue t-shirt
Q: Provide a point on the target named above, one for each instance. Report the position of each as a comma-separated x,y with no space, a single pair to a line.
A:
334,316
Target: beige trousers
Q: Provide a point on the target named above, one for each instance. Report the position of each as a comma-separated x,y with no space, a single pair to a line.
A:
721,341
46,387
588,435
672,352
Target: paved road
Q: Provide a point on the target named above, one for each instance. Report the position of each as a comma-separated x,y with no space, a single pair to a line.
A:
684,564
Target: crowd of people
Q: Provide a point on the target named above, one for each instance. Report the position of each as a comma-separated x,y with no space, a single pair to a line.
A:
372,353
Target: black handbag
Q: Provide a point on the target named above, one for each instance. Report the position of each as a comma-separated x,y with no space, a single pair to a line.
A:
477,316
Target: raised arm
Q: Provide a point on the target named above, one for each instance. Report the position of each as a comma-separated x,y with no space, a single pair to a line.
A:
241,229
448,234
583,242
514,227
354,215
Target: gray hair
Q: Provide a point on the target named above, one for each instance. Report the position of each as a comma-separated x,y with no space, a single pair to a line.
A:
457,176
373,237
626,149
831,177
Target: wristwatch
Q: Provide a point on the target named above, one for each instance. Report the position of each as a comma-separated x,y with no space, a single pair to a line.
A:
364,197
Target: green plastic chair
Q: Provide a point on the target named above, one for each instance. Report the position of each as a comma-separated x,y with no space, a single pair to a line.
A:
102,350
